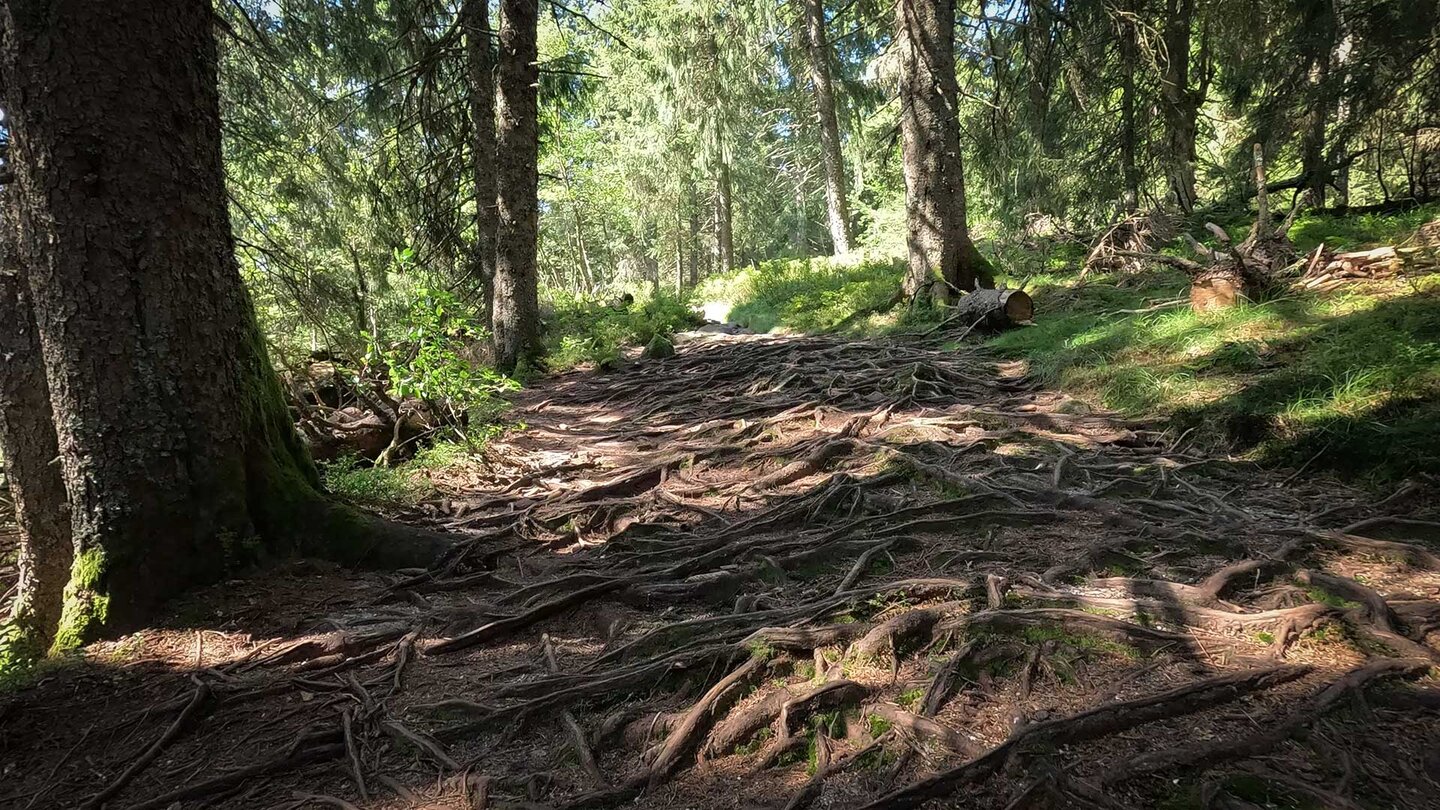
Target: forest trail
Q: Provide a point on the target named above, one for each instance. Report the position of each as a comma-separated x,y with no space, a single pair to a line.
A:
785,572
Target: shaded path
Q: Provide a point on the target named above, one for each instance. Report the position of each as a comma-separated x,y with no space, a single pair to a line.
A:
777,572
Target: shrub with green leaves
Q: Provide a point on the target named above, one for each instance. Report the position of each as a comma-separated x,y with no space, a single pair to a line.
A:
426,361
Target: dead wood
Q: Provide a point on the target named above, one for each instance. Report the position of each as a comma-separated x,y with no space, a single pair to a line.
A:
994,308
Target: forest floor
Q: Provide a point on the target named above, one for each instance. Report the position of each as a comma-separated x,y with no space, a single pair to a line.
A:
789,572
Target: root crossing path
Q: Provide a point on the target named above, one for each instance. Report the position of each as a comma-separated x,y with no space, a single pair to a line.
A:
787,573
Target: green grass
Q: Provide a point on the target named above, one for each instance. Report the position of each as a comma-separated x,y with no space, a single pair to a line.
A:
1086,642
356,480
1340,380
805,295
1354,231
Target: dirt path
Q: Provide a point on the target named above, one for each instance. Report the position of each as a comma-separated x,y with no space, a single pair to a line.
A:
794,572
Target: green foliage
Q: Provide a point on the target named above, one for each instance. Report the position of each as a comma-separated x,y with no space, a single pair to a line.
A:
583,330
358,481
910,699
425,362
805,295
361,482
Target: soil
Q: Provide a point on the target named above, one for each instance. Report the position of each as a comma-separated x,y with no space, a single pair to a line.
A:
789,572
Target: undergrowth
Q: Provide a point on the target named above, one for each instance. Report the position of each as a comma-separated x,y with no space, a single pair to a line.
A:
356,480
583,330
806,295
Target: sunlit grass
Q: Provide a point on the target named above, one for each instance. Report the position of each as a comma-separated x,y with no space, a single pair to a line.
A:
1288,378
807,295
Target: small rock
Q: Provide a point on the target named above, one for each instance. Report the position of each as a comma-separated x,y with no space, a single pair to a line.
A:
659,348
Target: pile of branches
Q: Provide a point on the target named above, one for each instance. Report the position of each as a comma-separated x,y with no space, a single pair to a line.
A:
340,412
1223,277
1124,245
1328,269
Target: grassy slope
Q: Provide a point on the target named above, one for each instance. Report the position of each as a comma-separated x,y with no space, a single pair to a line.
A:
1347,380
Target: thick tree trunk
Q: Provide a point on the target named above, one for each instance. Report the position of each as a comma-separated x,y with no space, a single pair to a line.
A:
480,77
817,49
27,442
1179,107
937,234
724,219
177,452
517,306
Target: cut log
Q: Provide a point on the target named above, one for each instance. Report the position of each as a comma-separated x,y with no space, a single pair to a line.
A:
994,309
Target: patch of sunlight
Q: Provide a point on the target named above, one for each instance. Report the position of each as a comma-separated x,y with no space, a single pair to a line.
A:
718,311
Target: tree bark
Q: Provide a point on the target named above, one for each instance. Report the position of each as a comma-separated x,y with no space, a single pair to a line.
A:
724,218
177,453
1129,56
27,442
817,49
1179,107
480,76
517,306
937,234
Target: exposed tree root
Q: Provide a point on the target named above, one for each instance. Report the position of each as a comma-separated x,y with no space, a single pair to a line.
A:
1200,756
703,526
1098,722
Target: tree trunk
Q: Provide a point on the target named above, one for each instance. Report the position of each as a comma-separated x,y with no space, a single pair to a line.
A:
1129,56
177,452
1313,170
937,234
817,48
1179,108
724,219
480,77
517,306
694,235
680,257
27,443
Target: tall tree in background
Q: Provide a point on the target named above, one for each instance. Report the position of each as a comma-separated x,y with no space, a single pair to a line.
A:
178,456
937,234
517,309
480,85
817,52
1128,21
1180,102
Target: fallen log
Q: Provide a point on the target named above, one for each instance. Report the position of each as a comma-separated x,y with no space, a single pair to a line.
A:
994,309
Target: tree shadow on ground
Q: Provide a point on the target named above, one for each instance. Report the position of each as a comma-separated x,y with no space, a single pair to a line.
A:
1358,394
